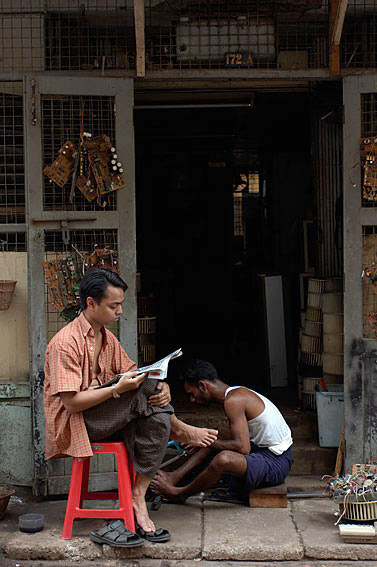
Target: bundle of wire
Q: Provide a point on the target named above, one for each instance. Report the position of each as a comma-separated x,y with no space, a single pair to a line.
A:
354,486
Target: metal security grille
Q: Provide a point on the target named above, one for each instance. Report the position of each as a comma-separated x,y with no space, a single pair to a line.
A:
197,34
13,242
12,180
81,243
369,282
368,128
359,39
62,118
59,35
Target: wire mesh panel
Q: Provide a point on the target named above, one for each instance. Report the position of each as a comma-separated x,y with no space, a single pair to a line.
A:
197,34
369,130
359,38
12,180
36,35
63,119
81,244
370,282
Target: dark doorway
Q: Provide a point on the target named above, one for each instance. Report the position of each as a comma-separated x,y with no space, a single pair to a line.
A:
221,195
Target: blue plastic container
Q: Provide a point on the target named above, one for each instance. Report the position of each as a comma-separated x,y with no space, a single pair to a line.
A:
330,414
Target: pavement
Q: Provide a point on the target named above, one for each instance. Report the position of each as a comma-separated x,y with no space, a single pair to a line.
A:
202,531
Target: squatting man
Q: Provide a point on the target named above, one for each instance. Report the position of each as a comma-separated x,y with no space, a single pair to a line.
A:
255,451
79,358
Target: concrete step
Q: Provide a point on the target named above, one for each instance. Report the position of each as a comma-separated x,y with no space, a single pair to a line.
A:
311,459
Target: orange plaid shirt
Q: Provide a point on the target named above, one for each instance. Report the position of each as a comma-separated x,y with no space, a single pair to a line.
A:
69,368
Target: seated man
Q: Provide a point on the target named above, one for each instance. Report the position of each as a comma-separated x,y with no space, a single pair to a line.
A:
84,354
255,451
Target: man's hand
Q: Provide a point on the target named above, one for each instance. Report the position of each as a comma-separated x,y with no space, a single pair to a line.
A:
163,398
130,381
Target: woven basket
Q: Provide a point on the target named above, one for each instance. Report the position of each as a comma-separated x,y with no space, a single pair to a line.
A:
6,293
5,494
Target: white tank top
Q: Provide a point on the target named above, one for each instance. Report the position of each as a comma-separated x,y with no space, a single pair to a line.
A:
269,429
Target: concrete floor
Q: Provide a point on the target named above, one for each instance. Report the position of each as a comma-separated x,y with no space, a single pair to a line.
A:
301,534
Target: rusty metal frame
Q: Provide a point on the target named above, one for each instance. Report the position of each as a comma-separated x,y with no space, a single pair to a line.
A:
123,219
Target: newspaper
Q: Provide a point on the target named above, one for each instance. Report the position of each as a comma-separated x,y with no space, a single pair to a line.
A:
158,370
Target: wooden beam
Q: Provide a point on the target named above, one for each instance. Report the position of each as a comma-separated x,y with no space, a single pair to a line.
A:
337,15
139,17
338,12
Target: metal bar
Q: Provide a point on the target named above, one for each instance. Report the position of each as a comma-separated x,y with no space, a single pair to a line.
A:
64,219
33,171
139,16
174,106
13,227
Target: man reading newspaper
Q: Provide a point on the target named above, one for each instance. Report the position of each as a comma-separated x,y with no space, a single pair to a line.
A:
83,355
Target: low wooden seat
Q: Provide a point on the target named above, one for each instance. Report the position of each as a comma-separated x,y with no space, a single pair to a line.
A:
271,497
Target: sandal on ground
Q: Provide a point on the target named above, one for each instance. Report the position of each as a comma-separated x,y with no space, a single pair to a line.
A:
221,495
158,536
117,535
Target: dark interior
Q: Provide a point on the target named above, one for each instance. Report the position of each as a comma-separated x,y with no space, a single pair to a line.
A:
204,278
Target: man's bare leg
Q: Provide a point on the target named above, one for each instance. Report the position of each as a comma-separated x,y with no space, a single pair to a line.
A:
139,505
195,436
174,477
226,462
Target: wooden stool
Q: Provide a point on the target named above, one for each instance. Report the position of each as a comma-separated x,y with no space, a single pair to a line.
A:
78,491
271,497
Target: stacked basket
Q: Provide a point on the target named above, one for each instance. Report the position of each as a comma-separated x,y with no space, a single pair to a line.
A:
333,340
146,327
319,339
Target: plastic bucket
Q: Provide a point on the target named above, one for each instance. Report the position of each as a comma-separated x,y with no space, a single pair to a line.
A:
330,414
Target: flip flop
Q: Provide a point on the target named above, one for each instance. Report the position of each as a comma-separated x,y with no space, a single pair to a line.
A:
117,535
158,536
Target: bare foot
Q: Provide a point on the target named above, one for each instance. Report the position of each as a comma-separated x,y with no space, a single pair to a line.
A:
194,436
161,485
171,476
141,513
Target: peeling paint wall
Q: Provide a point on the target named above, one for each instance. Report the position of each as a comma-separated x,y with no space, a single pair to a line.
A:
14,351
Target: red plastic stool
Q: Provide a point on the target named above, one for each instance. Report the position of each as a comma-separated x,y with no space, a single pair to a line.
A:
78,490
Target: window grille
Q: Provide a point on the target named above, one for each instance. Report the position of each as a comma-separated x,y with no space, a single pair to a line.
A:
359,37
13,242
59,35
81,243
62,117
12,179
198,34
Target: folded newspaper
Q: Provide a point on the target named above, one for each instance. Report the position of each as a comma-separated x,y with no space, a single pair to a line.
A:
158,370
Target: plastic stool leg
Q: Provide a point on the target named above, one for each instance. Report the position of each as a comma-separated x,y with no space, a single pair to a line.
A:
124,488
74,497
85,480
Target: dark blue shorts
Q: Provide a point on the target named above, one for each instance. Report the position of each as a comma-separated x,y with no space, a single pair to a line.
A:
264,468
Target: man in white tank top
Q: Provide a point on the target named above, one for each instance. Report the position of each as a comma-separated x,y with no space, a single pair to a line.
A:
254,451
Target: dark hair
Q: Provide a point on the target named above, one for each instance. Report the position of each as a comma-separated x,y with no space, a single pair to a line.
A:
95,283
199,370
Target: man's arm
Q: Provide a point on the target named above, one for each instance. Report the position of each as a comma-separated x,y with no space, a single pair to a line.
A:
75,402
239,438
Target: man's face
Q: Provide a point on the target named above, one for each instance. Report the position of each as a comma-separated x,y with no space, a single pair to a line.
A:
198,395
110,308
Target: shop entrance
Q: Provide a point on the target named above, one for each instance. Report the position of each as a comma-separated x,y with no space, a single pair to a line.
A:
222,193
